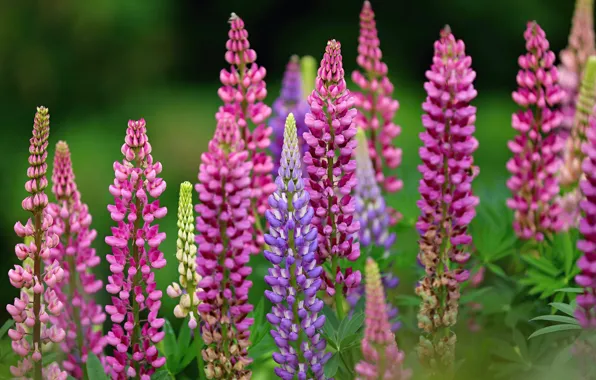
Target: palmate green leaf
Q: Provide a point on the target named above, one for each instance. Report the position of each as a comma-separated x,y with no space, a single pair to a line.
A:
543,264
505,350
554,328
332,365
350,326
566,250
5,327
184,336
571,290
264,347
496,270
162,374
95,370
521,344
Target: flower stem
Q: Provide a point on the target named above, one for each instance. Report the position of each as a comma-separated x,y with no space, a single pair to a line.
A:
37,296
199,348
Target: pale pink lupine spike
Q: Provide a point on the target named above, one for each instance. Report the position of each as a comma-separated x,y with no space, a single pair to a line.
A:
37,300
135,254
381,357
72,223
376,106
243,93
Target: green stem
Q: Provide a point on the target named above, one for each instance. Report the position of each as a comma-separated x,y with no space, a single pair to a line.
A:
137,281
37,297
339,297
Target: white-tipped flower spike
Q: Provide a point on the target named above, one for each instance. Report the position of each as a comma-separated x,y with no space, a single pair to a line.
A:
186,253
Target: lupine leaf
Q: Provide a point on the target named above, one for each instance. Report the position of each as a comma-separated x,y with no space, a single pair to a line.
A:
556,318
190,354
555,328
349,326
184,336
332,365
506,351
565,308
474,294
571,290
94,368
520,342
170,347
162,375
265,346
5,327
542,263
407,300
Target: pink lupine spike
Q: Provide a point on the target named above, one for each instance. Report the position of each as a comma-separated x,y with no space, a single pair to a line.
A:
574,57
223,239
536,148
135,253
243,93
37,301
447,202
330,168
376,106
381,357
82,316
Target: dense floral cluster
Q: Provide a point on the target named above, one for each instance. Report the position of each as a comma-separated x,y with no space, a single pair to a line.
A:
331,169
536,148
243,92
186,254
135,254
37,282
295,276
376,107
224,234
447,204
82,317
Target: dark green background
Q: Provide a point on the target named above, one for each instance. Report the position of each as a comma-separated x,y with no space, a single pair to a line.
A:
98,63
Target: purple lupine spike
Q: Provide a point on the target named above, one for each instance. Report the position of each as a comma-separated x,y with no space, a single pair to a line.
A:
447,205
82,317
536,148
574,57
586,302
223,239
374,219
290,101
330,168
381,357
295,277
376,106
243,92
135,241
37,282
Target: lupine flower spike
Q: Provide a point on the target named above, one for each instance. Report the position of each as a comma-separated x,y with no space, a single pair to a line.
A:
38,299
448,204
295,277
536,148
586,302
186,253
82,318
243,92
376,107
573,156
135,241
291,100
373,217
224,234
331,168
581,45
381,357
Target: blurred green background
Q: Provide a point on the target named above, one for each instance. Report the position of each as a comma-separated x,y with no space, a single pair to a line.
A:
98,63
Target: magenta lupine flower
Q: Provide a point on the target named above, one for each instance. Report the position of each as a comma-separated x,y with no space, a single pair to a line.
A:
82,318
331,167
291,100
536,148
243,92
447,205
381,357
580,46
223,239
135,254
376,106
37,283
586,302
295,276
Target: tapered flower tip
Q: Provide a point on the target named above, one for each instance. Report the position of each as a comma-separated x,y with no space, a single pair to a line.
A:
331,69
366,5
290,133
62,149
227,133
372,272
308,70
362,146
185,188
233,17
42,118
446,31
63,186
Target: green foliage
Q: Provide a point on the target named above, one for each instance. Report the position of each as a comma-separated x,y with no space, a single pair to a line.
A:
178,351
563,322
95,369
